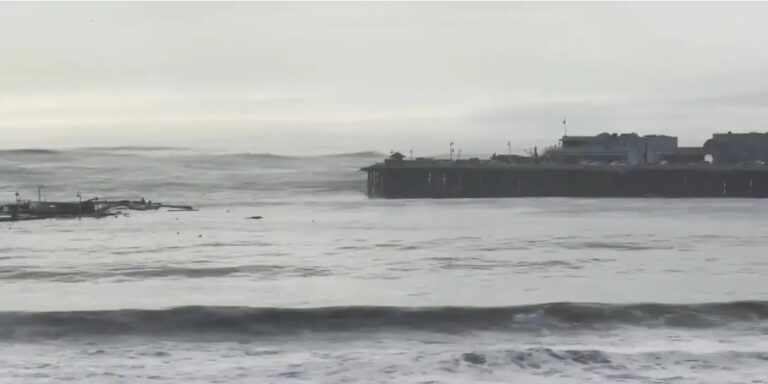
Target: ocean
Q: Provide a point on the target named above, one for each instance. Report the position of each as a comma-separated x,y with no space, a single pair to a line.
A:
332,287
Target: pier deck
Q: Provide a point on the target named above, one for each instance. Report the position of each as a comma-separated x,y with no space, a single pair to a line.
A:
452,179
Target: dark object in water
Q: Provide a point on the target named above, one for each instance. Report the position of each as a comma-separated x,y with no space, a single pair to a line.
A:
255,217
35,210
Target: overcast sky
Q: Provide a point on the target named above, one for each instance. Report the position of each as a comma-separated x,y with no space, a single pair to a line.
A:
335,77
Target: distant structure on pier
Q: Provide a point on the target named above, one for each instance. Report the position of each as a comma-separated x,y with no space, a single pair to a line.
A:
737,148
625,148
632,149
608,164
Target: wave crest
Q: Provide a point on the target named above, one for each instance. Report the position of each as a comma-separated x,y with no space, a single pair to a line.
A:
276,321
29,151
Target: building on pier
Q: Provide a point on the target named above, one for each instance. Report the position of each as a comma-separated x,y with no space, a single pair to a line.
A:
606,148
606,165
738,148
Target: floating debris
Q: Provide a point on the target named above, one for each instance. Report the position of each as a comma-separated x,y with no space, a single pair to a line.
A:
36,210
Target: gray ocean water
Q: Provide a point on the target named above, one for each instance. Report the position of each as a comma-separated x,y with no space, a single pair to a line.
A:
332,287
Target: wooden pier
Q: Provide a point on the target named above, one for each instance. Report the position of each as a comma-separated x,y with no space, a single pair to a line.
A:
463,179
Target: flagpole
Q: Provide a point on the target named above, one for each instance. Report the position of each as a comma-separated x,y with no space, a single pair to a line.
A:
565,127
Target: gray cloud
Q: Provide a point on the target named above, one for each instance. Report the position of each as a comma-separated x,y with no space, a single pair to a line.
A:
376,75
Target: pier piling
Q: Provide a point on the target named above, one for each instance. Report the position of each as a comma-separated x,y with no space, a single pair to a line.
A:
453,180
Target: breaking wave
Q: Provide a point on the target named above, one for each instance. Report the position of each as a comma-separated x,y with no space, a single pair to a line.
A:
264,271
148,148
247,321
29,151
252,156
276,157
363,154
244,155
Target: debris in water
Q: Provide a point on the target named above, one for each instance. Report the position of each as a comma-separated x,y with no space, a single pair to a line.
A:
36,210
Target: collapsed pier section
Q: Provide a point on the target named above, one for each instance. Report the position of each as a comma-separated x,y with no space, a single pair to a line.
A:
36,210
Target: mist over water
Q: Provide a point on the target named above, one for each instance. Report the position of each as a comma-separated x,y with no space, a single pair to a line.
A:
331,286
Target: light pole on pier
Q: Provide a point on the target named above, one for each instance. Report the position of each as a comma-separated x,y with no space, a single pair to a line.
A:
565,128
